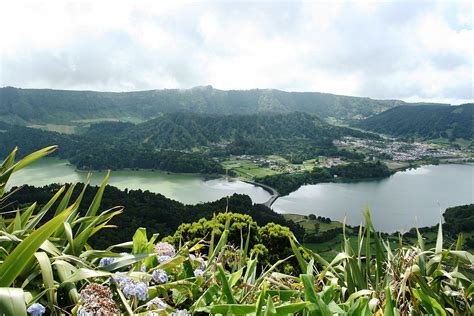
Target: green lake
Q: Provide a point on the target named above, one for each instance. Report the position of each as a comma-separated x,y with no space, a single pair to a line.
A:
186,188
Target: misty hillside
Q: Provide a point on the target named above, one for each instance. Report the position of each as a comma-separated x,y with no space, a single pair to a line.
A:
425,121
26,106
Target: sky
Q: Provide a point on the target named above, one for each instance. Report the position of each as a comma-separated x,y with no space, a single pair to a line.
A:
408,50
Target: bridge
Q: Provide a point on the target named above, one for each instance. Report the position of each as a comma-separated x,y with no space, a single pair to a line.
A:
274,193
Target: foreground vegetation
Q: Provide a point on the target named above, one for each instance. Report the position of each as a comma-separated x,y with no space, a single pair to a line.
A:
51,268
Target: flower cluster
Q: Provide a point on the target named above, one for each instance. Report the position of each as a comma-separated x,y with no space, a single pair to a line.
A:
106,261
156,304
159,276
36,309
97,300
164,251
131,288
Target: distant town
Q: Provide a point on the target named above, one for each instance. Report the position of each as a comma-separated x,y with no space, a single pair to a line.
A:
396,150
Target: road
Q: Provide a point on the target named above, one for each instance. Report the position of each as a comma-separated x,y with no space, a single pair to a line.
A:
274,193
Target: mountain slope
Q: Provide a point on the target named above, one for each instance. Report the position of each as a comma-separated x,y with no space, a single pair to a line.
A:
184,142
27,106
425,121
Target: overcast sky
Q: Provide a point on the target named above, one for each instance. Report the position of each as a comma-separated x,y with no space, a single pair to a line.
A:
409,50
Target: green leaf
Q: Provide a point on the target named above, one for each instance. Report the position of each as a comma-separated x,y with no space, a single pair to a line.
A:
38,217
140,241
226,288
12,302
309,292
98,197
217,249
83,273
16,262
270,308
303,264
232,309
48,279
33,157
294,308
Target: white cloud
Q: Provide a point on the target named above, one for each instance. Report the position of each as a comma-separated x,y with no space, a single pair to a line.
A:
412,50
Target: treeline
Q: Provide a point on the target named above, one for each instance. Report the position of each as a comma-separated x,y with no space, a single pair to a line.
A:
459,219
289,182
424,121
154,211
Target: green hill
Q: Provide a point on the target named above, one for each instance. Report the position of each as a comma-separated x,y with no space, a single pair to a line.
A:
424,121
41,106
182,142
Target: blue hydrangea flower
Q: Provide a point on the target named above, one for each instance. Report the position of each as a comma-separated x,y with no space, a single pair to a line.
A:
131,288
156,303
143,268
159,276
163,258
165,249
106,261
134,288
119,278
198,272
36,309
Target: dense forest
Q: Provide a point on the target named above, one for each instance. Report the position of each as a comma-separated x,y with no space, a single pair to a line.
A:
40,106
424,121
459,219
287,183
179,142
153,211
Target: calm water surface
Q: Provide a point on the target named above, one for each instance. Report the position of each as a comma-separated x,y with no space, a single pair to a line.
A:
189,189
404,200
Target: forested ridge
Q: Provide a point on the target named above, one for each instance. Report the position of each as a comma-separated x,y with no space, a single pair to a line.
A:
62,106
183,142
424,121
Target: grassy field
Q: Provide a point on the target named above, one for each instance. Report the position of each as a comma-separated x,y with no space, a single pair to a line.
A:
394,165
309,224
247,169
